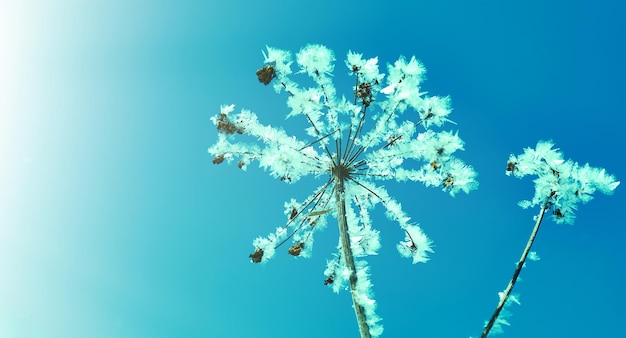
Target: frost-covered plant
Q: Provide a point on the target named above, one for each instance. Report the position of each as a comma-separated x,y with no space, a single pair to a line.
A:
560,185
351,143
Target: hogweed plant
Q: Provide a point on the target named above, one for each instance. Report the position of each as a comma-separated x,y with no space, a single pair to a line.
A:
350,143
560,185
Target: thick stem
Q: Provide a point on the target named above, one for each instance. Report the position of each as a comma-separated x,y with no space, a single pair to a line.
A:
347,252
520,264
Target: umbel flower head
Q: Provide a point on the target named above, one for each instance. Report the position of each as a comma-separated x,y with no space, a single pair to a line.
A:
383,132
560,184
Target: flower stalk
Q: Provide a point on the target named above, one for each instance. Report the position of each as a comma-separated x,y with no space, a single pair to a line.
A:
520,264
348,257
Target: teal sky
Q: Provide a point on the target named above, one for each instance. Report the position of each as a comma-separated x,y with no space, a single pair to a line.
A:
115,223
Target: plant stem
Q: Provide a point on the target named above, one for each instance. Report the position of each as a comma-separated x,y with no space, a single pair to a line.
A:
520,264
347,252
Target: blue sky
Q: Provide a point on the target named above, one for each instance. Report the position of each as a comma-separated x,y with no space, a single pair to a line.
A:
115,223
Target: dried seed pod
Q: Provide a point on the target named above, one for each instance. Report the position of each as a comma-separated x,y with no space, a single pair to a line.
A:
557,213
364,92
295,250
218,159
293,214
257,255
240,164
511,166
329,280
225,126
266,74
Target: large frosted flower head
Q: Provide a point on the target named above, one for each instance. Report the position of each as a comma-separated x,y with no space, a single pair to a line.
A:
352,144
362,141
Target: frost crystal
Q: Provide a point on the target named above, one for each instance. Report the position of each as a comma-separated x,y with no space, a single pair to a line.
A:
353,142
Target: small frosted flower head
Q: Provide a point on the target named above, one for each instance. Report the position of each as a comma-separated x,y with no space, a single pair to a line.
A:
415,245
403,81
367,69
463,178
560,184
433,110
401,68
279,59
316,59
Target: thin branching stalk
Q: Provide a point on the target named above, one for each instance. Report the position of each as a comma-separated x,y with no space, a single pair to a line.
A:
520,264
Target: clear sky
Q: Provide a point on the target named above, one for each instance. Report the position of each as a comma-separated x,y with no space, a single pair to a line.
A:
115,223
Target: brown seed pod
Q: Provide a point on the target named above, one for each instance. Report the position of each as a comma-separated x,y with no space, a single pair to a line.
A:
329,280
257,255
364,92
266,74
558,213
218,159
225,126
295,250
511,166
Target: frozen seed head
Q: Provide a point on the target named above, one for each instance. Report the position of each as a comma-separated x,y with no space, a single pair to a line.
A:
349,143
560,184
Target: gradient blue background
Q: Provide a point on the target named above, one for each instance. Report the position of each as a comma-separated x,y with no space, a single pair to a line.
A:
115,223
